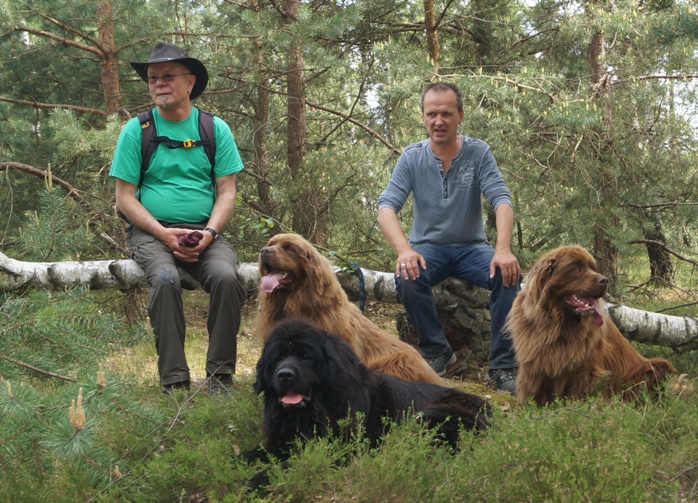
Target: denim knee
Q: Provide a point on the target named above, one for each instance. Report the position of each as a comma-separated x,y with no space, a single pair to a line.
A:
408,288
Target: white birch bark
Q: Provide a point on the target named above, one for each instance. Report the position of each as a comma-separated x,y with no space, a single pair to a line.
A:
642,326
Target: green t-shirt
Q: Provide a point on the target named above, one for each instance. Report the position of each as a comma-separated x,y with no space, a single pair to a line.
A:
177,186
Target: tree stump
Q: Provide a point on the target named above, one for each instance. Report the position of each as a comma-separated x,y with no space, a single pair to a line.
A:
467,331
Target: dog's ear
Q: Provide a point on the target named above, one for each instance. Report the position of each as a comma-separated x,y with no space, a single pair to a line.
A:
319,265
261,383
543,270
339,355
537,278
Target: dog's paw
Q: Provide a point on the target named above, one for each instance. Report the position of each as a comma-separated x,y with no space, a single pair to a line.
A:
253,455
258,482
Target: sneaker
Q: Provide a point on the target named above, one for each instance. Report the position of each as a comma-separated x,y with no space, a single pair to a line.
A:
441,363
504,380
220,384
170,387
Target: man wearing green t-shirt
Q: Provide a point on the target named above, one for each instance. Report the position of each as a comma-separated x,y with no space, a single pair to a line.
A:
176,210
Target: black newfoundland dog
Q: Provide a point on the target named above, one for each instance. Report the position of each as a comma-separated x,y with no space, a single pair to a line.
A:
312,380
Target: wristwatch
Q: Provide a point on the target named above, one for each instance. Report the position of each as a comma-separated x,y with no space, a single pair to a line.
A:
212,231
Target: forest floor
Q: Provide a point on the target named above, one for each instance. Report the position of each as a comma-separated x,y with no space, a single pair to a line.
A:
140,360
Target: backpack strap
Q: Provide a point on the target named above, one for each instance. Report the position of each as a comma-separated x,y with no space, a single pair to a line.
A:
206,132
147,146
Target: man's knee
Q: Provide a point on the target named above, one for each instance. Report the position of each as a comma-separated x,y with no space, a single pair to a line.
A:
229,280
165,278
225,275
411,285
505,295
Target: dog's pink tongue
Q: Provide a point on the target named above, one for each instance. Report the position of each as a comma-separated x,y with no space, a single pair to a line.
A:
270,282
292,398
598,317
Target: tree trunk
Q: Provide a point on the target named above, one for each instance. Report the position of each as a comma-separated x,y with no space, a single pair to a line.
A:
104,50
661,268
307,206
463,306
605,253
260,135
604,249
432,34
482,29
108,60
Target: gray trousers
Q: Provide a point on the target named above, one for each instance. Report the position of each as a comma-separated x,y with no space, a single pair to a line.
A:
216,272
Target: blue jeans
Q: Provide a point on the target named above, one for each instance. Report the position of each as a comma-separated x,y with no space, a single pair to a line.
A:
470,263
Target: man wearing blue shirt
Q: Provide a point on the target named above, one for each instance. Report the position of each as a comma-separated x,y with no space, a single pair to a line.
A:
177,195
447,175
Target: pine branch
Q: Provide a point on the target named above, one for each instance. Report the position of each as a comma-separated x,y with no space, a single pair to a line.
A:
683,76
53,106
665,247
36,369
347,118
670,204
79,33
61,40
75,193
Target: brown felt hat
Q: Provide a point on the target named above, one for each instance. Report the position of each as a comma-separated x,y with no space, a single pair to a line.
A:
163,53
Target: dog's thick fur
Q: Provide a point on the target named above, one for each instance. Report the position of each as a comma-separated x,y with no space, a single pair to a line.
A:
298,282
312,380
565,343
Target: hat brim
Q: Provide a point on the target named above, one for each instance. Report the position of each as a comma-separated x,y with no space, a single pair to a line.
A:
195,66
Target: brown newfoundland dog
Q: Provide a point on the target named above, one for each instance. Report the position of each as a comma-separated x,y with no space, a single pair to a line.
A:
298,282
565,343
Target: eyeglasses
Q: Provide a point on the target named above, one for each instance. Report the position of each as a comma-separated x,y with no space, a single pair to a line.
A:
166,78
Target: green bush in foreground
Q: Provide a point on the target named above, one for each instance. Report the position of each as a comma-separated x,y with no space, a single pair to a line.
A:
122,440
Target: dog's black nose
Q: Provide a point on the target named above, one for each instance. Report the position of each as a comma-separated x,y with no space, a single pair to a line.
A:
285,374
265,251
603,280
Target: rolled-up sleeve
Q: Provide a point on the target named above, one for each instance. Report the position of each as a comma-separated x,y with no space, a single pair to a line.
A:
492,183
398,189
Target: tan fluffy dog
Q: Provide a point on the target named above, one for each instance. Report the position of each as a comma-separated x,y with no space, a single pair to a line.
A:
565,343
298,282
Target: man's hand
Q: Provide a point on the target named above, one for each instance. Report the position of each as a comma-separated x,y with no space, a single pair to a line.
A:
190,240
409,263
180,240
508,264
503,258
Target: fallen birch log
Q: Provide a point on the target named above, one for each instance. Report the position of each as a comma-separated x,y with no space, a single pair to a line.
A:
651,328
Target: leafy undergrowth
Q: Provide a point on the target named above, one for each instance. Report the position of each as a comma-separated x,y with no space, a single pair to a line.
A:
121,439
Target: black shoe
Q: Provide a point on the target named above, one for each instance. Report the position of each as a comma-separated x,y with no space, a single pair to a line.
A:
170,387
440,363
219,384
503,380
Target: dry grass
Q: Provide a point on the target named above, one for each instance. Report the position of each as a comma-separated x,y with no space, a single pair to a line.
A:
140,360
